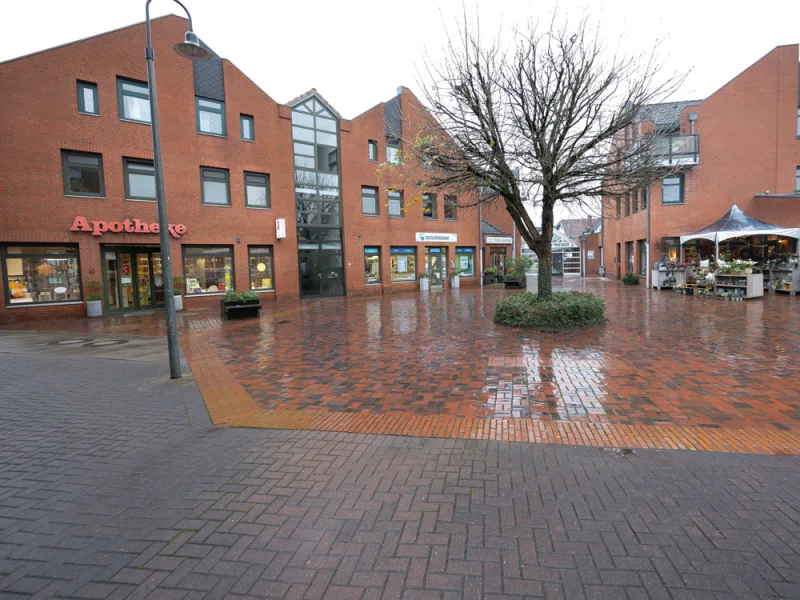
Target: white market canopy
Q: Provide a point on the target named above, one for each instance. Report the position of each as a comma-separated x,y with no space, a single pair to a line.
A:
737,224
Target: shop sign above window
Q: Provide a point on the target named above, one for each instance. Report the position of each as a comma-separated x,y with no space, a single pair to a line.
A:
125,226
437,237
498,239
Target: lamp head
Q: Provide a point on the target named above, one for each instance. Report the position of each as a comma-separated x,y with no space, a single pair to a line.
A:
190,48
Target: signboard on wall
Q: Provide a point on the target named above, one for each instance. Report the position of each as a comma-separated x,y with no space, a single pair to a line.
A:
280,228
499,239
98,228
436,237
590,254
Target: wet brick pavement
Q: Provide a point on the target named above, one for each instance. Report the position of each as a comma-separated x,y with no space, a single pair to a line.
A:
113,484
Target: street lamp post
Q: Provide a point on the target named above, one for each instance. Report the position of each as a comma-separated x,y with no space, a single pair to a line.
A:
191,49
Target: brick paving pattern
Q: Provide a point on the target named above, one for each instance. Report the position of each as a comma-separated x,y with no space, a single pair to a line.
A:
114,484
666,371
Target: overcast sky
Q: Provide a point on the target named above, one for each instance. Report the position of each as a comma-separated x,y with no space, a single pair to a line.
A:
356,52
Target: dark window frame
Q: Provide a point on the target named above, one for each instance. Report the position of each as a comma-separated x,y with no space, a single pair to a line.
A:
377,201
396,146
635,200
257,184
642,257
251,120
65,153
271,255
80,87
451,200
126,169
645,197
380,269
797,180
185,247
203,188
220,111
3,267
122,93
681,192
619,206
427,162
372,150
402,204
627,204
434,208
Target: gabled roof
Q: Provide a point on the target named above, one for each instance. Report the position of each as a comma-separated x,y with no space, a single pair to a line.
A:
318,96
489,229
665,113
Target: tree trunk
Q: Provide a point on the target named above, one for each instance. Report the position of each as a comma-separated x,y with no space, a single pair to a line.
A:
545,251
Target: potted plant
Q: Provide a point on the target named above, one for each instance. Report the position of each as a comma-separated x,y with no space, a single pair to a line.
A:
94,300
630,278
424,283
177,285
489,275
518,271
240,305
455,281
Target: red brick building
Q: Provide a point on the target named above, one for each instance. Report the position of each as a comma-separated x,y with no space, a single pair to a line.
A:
285,200
741,145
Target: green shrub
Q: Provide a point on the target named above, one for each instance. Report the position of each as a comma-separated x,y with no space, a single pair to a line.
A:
566,310
517,268
234,296
630,278
94,298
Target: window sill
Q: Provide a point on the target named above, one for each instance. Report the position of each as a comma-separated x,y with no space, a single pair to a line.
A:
673,203
396,217
135,121
217,135
251,141
261,291
204,294
370,214
430,218
253,207
88,114
216,205
39,304
404,281
451,220
80,196
153,201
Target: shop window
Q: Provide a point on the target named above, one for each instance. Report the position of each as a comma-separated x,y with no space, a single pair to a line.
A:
797,180
393,153
207,270
369,200
403,264
671,248
40,274
261,268
642,258
215,186
87,98
256,190
672,190
645,197
247,126
372,265
210,116
372,150
83,174
465,261
396,203
629,256
140,179
450,208
429,206
134,100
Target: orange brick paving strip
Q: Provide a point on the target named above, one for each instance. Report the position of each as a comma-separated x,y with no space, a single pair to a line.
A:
230,405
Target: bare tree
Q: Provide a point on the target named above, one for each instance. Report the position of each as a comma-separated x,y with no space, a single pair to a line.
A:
549,118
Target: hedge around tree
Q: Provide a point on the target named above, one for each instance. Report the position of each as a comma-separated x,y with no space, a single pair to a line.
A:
567,310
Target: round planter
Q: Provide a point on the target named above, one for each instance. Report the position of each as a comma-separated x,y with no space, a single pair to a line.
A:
748,271
455,282
424,284
178,302
94,308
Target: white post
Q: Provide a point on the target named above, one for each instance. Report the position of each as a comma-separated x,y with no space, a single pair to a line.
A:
716,245
647,266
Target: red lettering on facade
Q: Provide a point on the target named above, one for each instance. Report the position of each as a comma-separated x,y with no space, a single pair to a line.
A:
154,228
115,227
98,228
80,224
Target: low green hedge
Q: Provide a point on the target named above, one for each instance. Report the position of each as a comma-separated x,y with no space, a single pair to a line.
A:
566,310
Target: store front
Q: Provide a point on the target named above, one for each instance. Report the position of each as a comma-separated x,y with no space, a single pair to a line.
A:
321,273
436,265
132,278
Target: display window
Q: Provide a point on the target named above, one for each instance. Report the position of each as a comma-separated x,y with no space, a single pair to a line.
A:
465,261
403,264
372,265
207,269
41,274
261,268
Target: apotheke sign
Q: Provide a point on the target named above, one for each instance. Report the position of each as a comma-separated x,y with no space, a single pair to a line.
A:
125,226
437,237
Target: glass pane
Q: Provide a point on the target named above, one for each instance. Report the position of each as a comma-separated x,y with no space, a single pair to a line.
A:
329,180
137,109
143,279
329,219
158,279
402,266
210,273
83,159
302,119
51,279
395,207
330,208
326,124
392,155
88,100
305,177
84,181
211,122
306,149
141,185
209,104
305,135
127,297
304,161
212,174
326,139
246,131
139,88
215,192
255,179
113,280
256,195
261,276
372,266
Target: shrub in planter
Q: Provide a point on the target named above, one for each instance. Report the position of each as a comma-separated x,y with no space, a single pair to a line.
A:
240,305
517,271
177,288
566,310
630,278
424,282
455,280
489,275
94,301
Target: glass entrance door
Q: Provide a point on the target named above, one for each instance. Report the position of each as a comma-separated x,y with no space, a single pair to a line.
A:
436,261
132,280
497,260
321,273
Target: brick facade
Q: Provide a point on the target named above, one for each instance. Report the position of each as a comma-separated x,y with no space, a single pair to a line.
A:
40,118
748,132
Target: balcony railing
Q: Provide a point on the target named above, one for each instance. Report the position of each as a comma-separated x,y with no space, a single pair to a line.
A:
677,149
